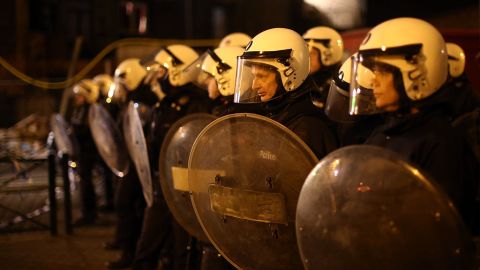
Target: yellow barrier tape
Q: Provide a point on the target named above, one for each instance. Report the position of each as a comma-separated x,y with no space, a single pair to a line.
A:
112,46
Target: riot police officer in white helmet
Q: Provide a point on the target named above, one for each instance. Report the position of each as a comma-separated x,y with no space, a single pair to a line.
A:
86,92
273,70
410,70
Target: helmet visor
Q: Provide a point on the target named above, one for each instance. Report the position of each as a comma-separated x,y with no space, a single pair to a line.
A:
337,104
155,71
380,76
362,98
258,75
196,75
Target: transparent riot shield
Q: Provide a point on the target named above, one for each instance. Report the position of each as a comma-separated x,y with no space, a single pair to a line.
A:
137,148
363,207
245,173
108,140
173,169
64,139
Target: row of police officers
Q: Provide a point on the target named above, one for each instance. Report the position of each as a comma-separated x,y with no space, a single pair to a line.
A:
403,90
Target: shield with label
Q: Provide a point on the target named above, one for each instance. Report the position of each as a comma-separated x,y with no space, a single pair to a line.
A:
137,148
108,140
173,168
63,135
364,207
245,173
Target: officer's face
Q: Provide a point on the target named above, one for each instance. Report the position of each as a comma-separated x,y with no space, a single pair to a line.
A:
264,82
315,64
386,97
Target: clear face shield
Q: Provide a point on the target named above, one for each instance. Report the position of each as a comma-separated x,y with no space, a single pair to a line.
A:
207,72
195,73
258,75
362,98
155,71
338,99
380,76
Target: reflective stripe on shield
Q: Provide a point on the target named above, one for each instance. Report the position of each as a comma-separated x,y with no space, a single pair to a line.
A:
173,170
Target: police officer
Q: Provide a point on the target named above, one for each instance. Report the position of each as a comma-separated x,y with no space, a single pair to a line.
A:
112,104
179,98
215,72
86,92
351,129
325,46
409,71
273,70
130,77
462,98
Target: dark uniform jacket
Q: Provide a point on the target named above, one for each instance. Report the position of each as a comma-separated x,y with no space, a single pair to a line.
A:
459,97
143,94
224,105
322,79
358,132
81,129
178,102
296,111
427,140
112,108
319,93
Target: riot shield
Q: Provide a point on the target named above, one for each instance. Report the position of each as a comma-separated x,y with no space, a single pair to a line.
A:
108,139
173,170
245,173
137,148
64,139
363,207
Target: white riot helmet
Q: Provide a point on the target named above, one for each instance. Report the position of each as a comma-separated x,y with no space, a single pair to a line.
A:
104,82
235,39
129,74
328,42
456,60
412,50
278,49
87,89
174,59
220,65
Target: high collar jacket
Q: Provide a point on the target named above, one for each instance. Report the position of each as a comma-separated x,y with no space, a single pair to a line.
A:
296,111
428,141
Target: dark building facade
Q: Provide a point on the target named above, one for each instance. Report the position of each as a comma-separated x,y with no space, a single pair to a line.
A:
39,37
